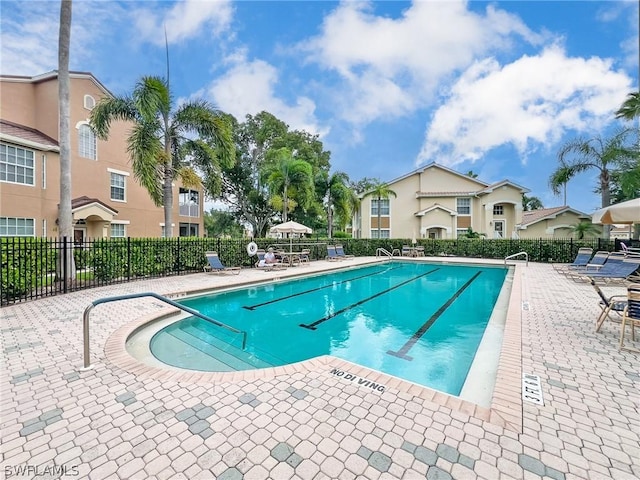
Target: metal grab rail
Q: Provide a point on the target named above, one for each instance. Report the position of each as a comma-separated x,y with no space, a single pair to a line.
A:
384,251
517,255
95,303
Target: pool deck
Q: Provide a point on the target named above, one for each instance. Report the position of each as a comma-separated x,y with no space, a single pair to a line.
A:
325,418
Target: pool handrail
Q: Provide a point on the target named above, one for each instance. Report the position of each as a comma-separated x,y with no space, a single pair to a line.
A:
517,255
384,251
95,303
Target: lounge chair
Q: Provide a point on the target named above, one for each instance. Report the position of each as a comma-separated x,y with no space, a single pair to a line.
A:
618,272
341,254
597,261
631,315
406,251
583,274
609,305
216,266
332,255
582,258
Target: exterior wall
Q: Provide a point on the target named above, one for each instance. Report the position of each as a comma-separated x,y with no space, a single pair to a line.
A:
552,228
404,224
36,106
510,199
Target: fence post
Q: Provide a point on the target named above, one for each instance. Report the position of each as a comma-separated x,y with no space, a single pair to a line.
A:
128,259
64,264
178,254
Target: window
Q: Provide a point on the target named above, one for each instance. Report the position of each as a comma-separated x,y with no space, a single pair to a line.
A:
86,142
17,165
89,102
189,203
498,210
463,206
117,187
118,230
461,232
384,206
384,233
17,227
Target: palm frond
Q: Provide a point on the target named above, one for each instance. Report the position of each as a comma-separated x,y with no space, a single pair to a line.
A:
108,110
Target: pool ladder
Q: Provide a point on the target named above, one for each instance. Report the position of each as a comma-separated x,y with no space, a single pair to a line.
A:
519,254
87,311
383,251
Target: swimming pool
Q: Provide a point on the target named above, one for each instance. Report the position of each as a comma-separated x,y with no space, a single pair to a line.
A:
415,320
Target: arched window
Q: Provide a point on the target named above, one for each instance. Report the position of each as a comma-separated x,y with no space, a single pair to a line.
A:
86,142
89,102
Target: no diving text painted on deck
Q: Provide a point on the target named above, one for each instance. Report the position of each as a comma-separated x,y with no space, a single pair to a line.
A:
359,380
532,389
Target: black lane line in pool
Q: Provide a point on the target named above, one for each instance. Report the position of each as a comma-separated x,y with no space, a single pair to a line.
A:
312,326
402,353
253,307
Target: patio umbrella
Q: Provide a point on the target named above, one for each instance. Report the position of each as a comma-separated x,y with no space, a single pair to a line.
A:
290,227
625,212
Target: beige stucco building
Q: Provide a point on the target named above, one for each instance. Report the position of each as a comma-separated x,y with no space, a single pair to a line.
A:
553,222
107,199
437,202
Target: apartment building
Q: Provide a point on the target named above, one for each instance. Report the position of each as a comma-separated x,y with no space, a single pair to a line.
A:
437,202
107,201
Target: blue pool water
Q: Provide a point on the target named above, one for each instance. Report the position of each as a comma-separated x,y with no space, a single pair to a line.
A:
418,321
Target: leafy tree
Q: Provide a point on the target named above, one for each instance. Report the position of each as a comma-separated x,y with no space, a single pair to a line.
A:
364,185
380,191
64,215
584,229
471,174
334,190
289,177
471,233
167,143
531,203
220,223
580,155
630,109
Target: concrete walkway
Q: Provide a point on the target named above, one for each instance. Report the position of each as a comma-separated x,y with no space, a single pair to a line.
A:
121,420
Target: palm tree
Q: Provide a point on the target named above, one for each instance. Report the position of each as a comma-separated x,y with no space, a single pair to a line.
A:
531,203
165,144
65,220
288,175
630,109
333,189
580,155
380,191
584,229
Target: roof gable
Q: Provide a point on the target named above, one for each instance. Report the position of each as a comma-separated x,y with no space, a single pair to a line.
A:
534,216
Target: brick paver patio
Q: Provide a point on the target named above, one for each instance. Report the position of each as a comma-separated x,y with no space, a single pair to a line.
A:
122,419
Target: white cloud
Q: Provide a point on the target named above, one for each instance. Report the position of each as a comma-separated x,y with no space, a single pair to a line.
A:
530,103
184,20
31,47
394,66
248,87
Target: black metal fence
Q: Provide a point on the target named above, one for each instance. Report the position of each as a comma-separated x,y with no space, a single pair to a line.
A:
29,266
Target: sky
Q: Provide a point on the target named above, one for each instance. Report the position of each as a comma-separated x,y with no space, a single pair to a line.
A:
492,87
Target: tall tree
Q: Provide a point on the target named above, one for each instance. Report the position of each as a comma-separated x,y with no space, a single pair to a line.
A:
380,191
630,109
288,177
531,203
167,143
218,223
65,220
580,155
334,190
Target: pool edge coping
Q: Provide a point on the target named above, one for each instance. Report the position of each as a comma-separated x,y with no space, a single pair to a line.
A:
506,405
